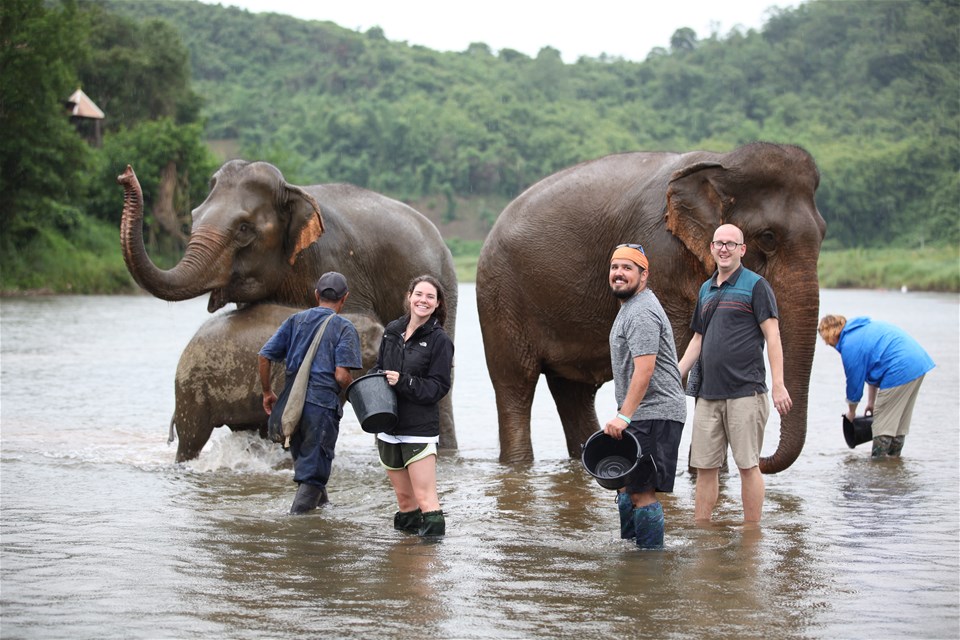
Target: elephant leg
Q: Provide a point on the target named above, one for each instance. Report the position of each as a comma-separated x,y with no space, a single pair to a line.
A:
514,394
448,433
576,404
192,433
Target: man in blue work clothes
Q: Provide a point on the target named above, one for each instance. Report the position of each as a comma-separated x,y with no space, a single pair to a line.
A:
312,444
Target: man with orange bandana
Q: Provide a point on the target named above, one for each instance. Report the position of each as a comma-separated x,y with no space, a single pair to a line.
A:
650,398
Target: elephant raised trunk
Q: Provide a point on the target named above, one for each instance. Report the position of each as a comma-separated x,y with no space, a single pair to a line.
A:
798,335
206,253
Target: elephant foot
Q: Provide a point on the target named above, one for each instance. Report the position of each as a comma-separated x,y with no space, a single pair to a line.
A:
308,498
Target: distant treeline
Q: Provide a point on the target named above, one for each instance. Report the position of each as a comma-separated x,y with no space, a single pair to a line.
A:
870,88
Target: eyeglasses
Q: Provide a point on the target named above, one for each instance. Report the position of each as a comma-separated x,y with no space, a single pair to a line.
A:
730,245
628,245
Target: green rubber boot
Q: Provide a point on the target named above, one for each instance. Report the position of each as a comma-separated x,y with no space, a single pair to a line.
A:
433,524
896,446
649,525
625,507
408,521
881,445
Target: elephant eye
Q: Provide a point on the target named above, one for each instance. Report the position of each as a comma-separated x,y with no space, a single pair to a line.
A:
767,241
245,233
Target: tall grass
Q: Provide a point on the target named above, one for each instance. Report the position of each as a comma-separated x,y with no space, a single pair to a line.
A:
928,269
88,262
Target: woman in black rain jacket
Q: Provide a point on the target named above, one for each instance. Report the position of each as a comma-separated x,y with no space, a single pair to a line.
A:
416,356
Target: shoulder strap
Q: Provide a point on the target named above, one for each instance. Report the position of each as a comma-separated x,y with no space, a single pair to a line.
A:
298,392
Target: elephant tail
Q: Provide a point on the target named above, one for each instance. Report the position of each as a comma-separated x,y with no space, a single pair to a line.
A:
173,432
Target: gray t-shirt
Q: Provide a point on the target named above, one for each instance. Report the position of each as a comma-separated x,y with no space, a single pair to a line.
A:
640,329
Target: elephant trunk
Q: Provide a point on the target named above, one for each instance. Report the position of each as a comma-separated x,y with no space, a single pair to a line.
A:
205,265
798,335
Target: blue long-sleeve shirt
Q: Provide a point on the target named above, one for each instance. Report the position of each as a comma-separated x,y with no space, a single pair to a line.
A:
879,354
339,347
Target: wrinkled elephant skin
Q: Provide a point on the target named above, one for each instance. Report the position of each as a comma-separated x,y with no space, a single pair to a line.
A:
258,239
545,305
217,382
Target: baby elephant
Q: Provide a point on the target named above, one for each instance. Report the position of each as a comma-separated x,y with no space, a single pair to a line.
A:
216,382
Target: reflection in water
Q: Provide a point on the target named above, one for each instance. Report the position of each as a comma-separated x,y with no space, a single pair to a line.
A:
101,531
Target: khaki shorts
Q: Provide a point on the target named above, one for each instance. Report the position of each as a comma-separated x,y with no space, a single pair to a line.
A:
893,409
738,422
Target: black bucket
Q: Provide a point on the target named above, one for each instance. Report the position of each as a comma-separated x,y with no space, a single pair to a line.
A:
858,431
609,460
374,401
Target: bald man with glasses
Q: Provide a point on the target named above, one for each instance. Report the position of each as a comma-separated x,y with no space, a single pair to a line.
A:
736,315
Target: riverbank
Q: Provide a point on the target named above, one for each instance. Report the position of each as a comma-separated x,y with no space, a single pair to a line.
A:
52,265
928,269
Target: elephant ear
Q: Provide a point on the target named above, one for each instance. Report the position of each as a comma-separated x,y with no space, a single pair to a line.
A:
306,221
695,208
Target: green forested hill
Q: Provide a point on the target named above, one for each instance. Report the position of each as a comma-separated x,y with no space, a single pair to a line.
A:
871,88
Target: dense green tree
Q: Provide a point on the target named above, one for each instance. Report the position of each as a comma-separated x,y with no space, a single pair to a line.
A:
41,155
136,71
869,87
56,188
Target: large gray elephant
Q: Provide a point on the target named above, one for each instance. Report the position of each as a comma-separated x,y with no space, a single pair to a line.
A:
217,382
258,239
545,306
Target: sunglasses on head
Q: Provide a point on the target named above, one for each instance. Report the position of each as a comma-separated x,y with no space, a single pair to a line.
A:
630,245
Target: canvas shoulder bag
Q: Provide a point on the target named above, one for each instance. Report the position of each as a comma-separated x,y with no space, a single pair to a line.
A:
283,421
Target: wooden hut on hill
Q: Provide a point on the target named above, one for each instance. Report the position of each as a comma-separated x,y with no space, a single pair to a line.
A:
85,115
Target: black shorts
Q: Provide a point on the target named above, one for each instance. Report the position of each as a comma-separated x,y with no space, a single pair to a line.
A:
396,456
659,444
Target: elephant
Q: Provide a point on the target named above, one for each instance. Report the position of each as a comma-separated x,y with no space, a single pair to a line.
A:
217,382
258,239
542,295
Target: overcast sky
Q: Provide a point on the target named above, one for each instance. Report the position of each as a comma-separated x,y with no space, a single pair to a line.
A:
621,28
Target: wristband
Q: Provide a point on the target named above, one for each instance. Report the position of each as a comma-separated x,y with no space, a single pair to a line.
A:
624,418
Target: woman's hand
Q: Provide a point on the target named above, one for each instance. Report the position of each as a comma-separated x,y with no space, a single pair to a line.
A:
392,377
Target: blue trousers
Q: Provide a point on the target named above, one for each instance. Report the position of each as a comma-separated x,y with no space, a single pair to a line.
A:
312,444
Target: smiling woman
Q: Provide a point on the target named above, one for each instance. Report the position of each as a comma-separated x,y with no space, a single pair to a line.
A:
416,354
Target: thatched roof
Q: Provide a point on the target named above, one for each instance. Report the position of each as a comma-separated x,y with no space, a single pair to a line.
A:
83,106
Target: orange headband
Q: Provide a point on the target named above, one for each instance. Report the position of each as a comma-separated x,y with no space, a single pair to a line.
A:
633,255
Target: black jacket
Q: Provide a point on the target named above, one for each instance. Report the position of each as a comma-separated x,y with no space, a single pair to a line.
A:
425,363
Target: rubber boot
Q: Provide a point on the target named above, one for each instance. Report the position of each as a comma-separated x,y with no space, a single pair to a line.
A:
896,446
625,507
433,524
408,521
308,498
881,445
648,523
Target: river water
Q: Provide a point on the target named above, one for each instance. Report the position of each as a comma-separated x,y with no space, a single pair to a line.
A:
103,536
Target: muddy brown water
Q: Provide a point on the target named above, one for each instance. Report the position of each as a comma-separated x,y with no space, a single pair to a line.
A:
104,536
